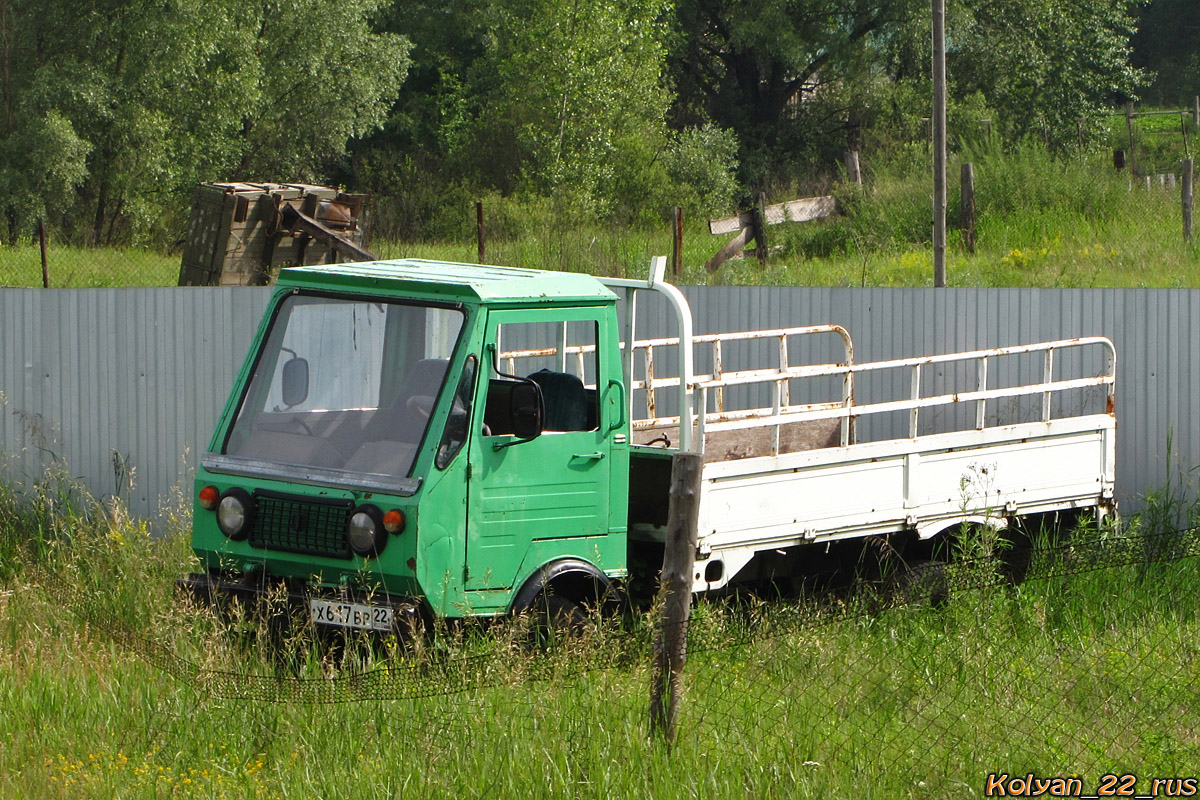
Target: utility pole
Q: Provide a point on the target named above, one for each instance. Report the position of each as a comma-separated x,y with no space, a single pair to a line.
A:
939,143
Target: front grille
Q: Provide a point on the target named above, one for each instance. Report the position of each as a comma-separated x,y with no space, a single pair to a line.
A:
301,524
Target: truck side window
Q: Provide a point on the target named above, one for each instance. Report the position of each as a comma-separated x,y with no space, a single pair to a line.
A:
560,357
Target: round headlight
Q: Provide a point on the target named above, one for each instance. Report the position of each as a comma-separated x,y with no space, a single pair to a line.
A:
235,512
367,534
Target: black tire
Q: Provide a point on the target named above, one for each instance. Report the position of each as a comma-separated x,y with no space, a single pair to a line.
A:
555,619
919,582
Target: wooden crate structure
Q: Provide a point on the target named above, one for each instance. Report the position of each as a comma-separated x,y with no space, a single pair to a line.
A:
241,233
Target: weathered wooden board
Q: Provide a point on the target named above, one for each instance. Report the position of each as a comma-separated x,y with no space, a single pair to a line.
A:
803,210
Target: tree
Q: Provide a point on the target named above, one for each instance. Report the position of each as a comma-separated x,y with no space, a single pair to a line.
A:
574,91
751,65
145,97
1057,60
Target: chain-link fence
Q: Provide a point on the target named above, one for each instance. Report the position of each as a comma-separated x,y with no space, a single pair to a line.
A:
70,267
1069,661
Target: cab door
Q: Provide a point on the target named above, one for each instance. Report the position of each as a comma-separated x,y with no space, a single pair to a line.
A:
549,496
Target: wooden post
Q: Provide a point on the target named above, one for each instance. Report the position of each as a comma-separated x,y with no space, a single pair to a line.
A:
966,208
1188,205
670,646
853,171
1187,152
1129,128
1196,113
939,143
480,237
677,243
42,242
760,227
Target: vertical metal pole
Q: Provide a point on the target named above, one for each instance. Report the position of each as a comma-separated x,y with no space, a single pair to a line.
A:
651,404
1048,376
776,408
42,243
718,373
1189,234
783,366
981,384
939,143
913,414
627,363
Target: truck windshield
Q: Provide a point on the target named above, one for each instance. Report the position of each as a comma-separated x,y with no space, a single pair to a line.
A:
345,384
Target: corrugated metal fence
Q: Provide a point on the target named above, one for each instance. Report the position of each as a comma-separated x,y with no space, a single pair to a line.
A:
110,379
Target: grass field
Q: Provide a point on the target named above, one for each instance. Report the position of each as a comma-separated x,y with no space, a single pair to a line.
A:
111,688
1042,223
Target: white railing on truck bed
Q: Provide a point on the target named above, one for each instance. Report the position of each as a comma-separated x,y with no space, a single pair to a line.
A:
781,413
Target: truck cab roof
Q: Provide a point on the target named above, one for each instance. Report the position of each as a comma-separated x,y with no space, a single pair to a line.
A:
474,283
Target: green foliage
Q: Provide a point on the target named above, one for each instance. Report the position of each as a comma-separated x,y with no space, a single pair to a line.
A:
608,111
113,687
272,90
1043,62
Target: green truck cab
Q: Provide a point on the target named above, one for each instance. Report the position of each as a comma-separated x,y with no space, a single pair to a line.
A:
377,459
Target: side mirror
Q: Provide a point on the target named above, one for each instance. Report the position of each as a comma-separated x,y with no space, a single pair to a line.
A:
526,410
295,381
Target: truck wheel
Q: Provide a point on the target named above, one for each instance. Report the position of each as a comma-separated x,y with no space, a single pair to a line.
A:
920,582
555,618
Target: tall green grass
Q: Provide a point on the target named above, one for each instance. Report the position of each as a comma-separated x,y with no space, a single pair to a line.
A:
112,687
87,267
1043,221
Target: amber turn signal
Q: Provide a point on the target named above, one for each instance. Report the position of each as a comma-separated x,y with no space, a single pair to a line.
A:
393,521
209,496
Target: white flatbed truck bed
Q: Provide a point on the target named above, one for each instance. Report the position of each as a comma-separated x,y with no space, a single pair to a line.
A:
791,473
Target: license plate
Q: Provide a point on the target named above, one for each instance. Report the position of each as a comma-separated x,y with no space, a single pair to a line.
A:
350,615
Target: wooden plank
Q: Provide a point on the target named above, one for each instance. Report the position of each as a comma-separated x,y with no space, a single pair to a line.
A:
731,249
805,209
730,224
